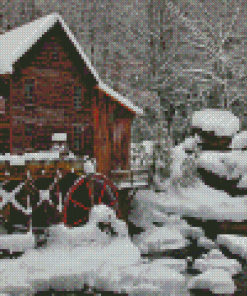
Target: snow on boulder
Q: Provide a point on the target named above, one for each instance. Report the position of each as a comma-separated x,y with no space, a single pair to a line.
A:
90,232
200,201
62,235
222,122
160,239
171,281
123,252
239,141
216,259
152,279
213,161
131,272
206,243
194,232
216,280
179,265
108,278
13,280
63,269
142,215
230,265
243,182
103,213
190,143
17,242
143,289
215,254
236,244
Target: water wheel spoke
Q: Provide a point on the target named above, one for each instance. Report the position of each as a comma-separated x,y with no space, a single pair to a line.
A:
84,194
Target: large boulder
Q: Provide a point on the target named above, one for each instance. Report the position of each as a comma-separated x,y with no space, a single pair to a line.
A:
221,122
239,141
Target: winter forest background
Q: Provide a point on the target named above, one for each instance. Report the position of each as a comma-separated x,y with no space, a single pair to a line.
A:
144,51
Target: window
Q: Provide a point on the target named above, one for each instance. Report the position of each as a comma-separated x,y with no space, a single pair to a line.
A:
29,91
2,105
77,97
87,98
55,53
77,137
29,130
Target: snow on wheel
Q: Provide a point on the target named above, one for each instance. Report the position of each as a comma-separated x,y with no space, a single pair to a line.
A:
105,191
84,194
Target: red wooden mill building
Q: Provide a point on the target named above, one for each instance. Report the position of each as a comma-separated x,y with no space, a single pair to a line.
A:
48,85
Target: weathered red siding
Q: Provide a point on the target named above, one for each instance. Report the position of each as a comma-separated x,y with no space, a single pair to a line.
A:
105,123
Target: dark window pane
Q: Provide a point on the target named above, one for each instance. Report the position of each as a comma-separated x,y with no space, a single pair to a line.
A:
29,129
29,90
77,97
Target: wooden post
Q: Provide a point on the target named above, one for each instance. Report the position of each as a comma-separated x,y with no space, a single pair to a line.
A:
10,110
91,187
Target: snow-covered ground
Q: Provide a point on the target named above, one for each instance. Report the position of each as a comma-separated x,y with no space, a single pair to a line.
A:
81,255
198,201
93,256
73,257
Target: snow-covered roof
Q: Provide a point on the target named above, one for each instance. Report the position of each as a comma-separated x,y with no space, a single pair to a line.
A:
15,43
222,122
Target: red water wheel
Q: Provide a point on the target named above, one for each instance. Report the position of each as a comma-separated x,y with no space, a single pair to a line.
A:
84,194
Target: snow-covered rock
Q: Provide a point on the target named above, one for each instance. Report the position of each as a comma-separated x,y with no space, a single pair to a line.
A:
161,280
239,141
13,281
200,201
17,242
213,161
223,123
243,182
61,235
103,213
143,289
70,268
216,260
144,216
123,252
231,164
190,143
168,279
216,280
158,239
236,244
230,265
194,232
215,254
179,265
206,243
